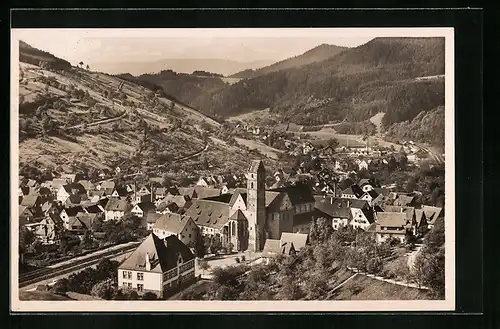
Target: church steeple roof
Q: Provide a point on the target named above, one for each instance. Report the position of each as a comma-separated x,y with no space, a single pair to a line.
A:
255,166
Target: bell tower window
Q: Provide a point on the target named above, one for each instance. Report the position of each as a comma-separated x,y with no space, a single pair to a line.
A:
251,184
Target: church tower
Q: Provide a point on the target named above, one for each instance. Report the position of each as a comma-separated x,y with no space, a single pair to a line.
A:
256,205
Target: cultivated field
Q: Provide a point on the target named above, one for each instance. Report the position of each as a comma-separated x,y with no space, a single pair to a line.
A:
261,147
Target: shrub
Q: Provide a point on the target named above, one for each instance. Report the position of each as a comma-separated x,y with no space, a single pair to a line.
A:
149,296
61,287
237,260
374,265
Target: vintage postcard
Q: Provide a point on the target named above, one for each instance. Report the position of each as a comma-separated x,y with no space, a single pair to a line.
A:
276,170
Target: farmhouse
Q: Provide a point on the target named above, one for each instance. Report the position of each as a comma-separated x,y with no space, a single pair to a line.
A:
74,190
391,225
142,209
116,209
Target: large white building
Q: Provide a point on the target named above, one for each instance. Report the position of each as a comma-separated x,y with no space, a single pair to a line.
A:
157,266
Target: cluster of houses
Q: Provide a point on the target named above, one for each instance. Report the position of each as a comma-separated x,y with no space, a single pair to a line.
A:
272,220
73,204
385,213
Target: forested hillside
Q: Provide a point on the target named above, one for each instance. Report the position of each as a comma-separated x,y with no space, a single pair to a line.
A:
425,127
316,54
358,82
184,87
28,54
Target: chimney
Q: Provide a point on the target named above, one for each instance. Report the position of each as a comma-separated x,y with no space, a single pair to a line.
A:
148,263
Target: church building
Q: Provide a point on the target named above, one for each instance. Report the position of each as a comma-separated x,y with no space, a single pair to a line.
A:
250,216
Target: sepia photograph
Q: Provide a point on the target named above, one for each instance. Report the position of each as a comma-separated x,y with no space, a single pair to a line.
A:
283,169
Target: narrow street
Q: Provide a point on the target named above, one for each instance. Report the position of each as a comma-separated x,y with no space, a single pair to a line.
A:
412,256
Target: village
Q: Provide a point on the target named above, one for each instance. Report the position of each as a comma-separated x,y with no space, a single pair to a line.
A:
179,233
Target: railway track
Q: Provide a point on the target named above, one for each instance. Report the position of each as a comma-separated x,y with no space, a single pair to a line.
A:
436,157
47,273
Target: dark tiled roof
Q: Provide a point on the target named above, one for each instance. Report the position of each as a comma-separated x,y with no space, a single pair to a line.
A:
370,216
173,190
224,198
298,194
345,202
93,209
121,190
163,254
174,223
103,202
373,194
354,190
308,217
75,188
238,215
209,213
255,165
325,205
146,206
86,184
72,211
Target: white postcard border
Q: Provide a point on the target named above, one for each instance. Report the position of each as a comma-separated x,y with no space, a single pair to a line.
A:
248,306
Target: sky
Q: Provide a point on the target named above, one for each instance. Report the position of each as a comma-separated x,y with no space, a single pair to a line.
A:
144,45
237,44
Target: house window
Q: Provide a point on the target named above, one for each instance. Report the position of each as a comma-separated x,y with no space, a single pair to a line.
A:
140,276
189,235
129,275
140,287
125,274
129,284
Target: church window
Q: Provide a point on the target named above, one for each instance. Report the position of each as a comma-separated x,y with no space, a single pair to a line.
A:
251,185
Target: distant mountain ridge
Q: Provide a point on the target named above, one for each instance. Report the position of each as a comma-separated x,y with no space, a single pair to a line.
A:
317,54
182,65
